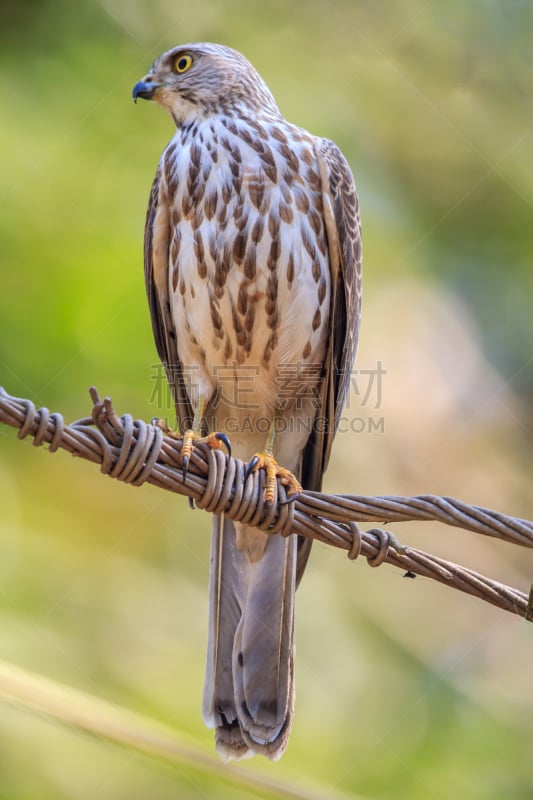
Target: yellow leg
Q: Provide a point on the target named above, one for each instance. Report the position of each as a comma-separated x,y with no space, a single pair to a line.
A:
193,436
265,460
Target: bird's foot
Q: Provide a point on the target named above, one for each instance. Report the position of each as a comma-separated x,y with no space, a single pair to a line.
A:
213,440
190,439
266,461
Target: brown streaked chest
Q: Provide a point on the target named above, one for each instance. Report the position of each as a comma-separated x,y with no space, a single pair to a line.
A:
248,260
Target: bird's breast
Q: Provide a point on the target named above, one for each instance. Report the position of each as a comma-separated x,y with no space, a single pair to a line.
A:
248,260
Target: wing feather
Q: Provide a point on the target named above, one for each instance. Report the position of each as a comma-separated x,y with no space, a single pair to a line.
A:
343,227
156,272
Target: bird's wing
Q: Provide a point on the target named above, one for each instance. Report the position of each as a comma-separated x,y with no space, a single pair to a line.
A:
343,228
156,272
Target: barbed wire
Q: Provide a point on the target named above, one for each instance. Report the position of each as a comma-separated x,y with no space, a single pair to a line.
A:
137,452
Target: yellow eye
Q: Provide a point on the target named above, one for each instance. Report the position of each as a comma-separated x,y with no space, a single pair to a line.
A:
182,63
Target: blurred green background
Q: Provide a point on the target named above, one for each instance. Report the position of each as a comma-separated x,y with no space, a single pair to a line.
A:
404,689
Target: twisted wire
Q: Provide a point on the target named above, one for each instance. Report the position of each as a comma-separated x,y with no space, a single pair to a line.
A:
137,452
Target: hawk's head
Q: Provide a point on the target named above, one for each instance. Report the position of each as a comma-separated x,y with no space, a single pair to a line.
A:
201,79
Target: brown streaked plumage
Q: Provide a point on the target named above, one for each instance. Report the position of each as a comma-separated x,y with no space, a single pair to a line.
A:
253,266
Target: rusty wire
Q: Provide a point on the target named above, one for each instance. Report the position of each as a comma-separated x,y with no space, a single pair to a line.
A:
138,452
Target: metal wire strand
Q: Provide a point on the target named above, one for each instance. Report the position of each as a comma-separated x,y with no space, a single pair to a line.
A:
138,452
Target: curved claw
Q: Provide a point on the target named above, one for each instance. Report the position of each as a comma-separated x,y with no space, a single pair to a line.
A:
250,468
221,437
290,499
185,469
184,473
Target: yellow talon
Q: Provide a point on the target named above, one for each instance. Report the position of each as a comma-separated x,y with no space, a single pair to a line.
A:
190,439
266,461
213,440
186,448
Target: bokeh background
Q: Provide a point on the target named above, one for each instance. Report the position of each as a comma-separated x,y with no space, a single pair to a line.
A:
404,689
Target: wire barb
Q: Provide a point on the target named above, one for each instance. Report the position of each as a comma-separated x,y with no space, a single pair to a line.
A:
138,452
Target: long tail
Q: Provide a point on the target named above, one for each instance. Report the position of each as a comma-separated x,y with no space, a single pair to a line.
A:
249,682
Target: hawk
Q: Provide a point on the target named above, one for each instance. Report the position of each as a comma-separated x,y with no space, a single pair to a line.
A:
253,275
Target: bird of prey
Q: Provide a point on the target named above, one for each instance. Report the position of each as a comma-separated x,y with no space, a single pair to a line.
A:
253,275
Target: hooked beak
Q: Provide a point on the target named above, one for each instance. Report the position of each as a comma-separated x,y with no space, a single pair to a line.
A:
145,89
